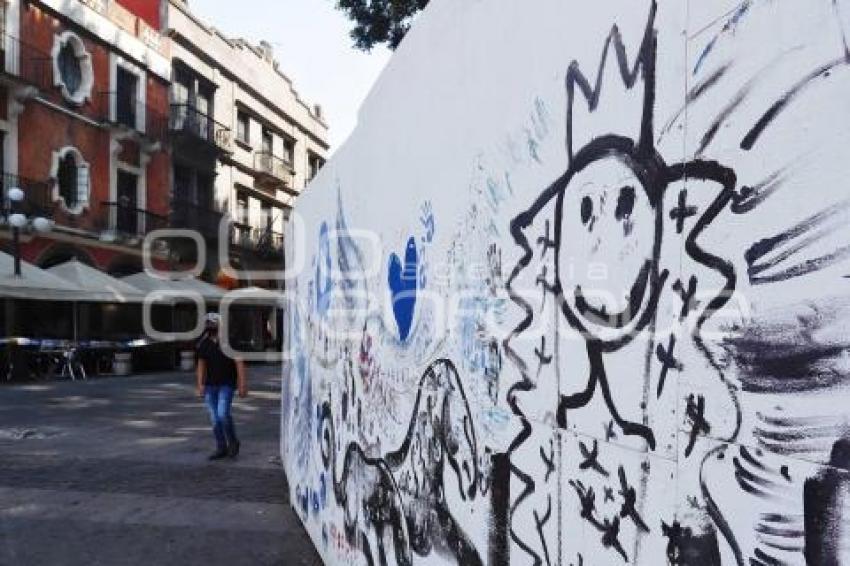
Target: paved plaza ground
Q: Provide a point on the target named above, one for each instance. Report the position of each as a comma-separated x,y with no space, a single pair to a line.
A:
114,471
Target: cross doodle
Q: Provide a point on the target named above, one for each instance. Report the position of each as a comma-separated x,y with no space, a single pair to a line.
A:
591,461
668,362
629,496
546,241
541,354
689,303
695,411
683,211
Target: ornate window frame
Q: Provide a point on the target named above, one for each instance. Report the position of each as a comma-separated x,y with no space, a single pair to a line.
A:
82,165
83,93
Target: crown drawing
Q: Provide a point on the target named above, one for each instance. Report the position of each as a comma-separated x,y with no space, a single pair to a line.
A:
626,91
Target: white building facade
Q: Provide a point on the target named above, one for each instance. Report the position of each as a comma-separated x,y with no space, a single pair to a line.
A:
266,143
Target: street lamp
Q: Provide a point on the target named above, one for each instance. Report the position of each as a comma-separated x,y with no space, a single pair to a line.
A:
18,221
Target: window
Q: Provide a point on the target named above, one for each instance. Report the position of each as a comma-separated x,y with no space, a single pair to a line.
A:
127,217
67,179
203,114
268,142
204,190
242,208
243,127
72,68
243,230
266,217
182,183
288,150
315,163
127,85
71,180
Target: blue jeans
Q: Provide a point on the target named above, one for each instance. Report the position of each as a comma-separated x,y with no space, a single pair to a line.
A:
218,399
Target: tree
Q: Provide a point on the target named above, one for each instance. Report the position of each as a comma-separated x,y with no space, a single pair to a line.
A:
380,21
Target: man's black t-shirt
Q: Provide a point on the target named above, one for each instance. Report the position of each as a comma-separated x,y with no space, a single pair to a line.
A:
221,370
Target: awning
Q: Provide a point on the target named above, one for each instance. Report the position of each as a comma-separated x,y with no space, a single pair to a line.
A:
35,283
186,287
99,286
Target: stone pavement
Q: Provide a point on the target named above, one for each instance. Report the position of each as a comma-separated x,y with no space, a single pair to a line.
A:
113,471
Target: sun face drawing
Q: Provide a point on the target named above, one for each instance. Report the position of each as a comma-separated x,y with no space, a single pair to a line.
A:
602,214
609,213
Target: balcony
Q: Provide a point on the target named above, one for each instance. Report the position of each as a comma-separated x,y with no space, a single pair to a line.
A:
37,196
261,241
188,215
191,125
128,222
273,170
24,64
127,113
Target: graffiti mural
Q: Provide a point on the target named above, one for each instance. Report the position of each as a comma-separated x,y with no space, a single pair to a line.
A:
581,297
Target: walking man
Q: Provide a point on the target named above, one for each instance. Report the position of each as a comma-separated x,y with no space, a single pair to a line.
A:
218,378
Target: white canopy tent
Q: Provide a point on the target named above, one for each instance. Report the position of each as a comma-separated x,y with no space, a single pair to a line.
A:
99,286
35,283
147,283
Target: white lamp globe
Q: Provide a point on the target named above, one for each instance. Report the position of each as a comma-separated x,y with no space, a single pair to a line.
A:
18,220
16,194
42,224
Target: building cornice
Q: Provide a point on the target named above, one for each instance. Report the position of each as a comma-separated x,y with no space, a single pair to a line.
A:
186,42
110,33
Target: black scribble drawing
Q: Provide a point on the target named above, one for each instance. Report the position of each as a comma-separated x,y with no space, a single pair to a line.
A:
400,495
631,173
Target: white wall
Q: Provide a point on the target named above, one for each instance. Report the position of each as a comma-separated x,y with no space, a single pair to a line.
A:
488,416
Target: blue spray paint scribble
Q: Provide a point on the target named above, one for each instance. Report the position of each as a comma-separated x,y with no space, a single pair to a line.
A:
540,119
302,409
323,272
427,219
531,141
730,25
403,281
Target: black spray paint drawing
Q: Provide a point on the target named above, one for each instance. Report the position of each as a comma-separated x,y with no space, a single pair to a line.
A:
752,467
634,175
400,495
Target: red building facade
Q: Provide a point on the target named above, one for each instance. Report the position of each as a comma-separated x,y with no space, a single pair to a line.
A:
86,85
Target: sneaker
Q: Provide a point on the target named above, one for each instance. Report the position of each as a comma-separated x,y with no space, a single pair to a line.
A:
217,455
233,452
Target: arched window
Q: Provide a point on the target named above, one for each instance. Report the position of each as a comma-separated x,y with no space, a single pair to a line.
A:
72,67
67,179
71,184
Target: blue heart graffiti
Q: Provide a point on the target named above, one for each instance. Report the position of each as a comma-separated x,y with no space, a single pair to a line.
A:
403,281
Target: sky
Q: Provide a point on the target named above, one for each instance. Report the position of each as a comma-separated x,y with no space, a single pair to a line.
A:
311,42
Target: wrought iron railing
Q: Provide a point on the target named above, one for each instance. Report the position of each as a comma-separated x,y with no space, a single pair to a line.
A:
37,196
189,120
128,220
269,164
191,216
263,241
26,62
127,111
